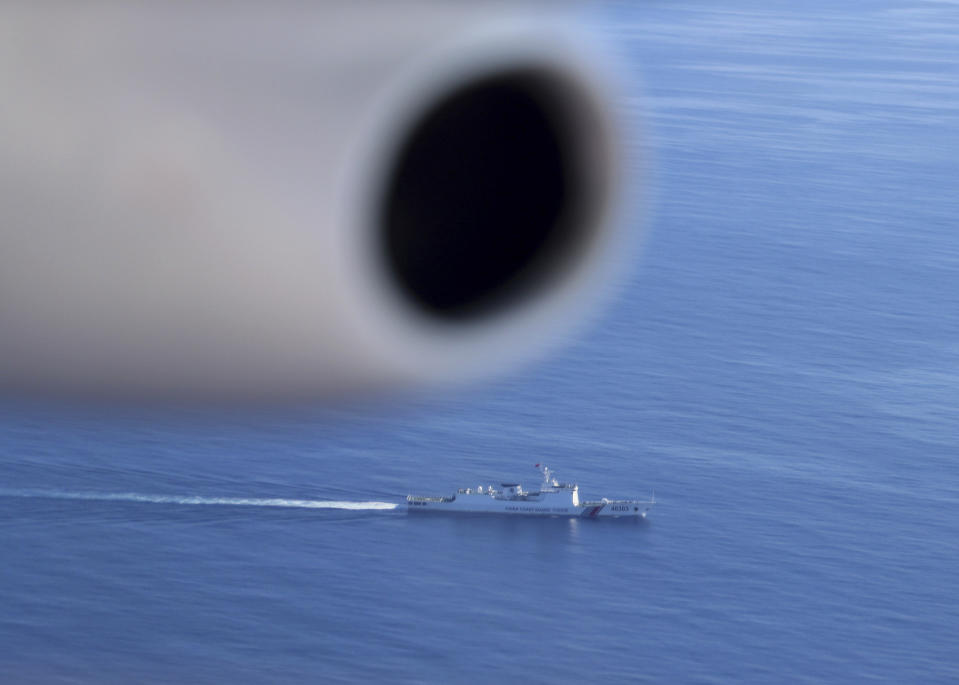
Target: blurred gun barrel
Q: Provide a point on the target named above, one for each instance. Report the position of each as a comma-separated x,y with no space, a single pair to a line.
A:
289,199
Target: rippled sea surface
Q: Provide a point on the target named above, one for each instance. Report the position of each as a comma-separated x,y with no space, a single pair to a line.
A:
783,370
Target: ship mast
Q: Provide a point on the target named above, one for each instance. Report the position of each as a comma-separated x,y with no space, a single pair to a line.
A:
547,477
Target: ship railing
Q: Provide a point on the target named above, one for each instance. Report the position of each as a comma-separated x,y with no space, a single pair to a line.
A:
596,503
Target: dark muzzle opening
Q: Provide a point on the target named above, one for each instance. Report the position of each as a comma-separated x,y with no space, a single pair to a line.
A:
487,199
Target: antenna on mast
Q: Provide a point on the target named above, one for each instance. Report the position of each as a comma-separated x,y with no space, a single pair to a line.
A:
547,476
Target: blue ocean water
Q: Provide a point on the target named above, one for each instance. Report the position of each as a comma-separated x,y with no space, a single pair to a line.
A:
783,370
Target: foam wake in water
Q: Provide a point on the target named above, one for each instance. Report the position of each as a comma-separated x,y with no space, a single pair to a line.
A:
196,500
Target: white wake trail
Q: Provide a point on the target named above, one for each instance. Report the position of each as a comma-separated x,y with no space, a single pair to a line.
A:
196,500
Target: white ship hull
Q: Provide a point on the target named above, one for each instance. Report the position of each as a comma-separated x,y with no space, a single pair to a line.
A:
552,499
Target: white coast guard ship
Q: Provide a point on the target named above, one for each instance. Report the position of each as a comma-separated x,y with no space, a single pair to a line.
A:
552,499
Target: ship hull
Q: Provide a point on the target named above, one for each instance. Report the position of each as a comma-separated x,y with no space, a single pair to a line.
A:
489,505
